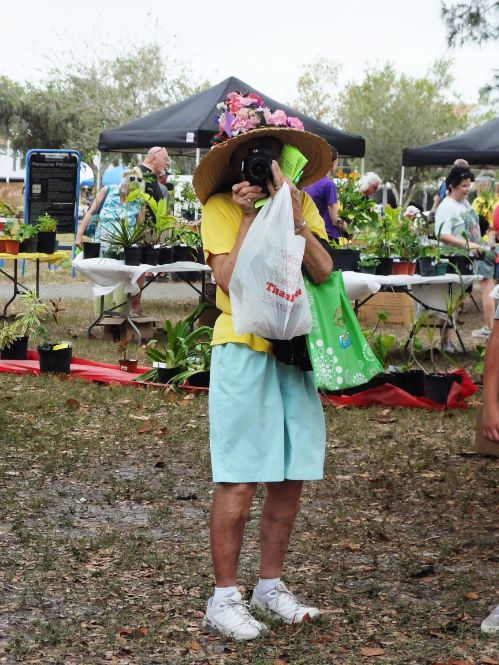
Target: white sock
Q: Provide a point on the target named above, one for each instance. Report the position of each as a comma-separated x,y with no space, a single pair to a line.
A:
266,585
222,592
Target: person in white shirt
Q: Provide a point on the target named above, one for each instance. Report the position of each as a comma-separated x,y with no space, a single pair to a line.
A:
457,224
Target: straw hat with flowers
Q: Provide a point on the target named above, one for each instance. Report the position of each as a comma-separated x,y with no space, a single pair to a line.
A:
244,118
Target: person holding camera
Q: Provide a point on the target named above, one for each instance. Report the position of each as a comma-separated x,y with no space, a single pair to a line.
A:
266,419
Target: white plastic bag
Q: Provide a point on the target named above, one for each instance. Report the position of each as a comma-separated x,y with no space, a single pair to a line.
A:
267,293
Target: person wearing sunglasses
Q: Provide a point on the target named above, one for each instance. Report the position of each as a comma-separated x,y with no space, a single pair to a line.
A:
155,162
109,205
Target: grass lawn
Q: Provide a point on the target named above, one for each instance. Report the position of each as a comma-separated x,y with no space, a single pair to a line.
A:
104,557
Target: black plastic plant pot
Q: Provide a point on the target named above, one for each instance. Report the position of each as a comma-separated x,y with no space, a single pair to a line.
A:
459,264
200,254
368,270
346,259
46,242
91,250
166,374
411,382
184,253
200,380
150,255
55,360
29,246
384,266
165,255
16,351
425,266
133,256
437,386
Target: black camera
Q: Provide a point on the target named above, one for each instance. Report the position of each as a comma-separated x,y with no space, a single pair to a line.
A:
257,167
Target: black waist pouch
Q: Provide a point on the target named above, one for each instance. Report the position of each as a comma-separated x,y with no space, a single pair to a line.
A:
292,352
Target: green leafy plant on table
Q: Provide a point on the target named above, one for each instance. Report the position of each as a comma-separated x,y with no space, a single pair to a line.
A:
354,207
11,229
46,223
405,242
122,234
184,347
27,231
162,221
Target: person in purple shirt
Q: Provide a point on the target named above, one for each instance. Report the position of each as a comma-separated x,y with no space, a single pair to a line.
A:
324,195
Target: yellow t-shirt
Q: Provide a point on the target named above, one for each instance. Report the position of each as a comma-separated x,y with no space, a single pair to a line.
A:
220,221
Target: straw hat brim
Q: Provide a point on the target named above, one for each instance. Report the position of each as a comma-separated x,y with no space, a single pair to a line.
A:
216,174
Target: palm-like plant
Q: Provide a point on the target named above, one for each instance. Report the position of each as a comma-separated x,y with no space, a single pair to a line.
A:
123,234
183,346
163,221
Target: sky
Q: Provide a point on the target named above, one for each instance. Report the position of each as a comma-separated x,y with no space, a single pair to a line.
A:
266,48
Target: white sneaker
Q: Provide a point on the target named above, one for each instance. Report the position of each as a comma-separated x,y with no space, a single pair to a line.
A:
231,618
490,625
481,332
282,603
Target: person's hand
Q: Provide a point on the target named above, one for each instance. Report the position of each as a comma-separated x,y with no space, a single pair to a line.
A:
79,240
278,180
245,196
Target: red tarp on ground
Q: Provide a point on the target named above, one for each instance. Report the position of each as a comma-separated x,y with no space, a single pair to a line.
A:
388,395
89,370
385,395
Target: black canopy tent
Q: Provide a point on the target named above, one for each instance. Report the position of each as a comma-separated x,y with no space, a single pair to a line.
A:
479,146
190,125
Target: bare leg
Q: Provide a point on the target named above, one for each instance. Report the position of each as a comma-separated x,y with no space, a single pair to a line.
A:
277,521
229,514
136,299
486,286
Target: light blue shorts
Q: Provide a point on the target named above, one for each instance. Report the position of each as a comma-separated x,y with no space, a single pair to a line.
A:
266,419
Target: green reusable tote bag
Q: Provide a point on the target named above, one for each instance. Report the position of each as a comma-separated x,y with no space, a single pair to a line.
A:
340,354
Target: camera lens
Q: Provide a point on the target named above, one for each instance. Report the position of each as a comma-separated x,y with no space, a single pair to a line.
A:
258,169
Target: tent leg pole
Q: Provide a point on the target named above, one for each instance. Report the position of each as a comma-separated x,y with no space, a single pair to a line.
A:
198,155
401,190
362,165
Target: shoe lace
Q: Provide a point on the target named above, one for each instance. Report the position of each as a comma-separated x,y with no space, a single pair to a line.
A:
239,609
287,601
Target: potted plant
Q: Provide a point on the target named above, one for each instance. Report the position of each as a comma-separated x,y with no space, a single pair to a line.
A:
368,264
344,257
54,357
126,364
181,343
405,244
157,250
126,237
28,237
11,236
437,384
14,336
47,227
189,202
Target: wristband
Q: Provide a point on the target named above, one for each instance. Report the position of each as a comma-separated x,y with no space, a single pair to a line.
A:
300,227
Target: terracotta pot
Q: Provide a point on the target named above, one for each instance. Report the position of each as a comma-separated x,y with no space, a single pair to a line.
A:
12,246
2,246
128,365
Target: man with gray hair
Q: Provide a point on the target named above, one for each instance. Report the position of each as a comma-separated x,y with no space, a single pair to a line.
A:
156,161
369,183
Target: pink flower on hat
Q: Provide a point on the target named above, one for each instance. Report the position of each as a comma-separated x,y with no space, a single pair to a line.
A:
295,123
242,112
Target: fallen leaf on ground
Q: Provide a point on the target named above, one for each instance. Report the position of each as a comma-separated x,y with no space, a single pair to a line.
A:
195,646
146,427
353,547
487,660
471,595
73,403
371,651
